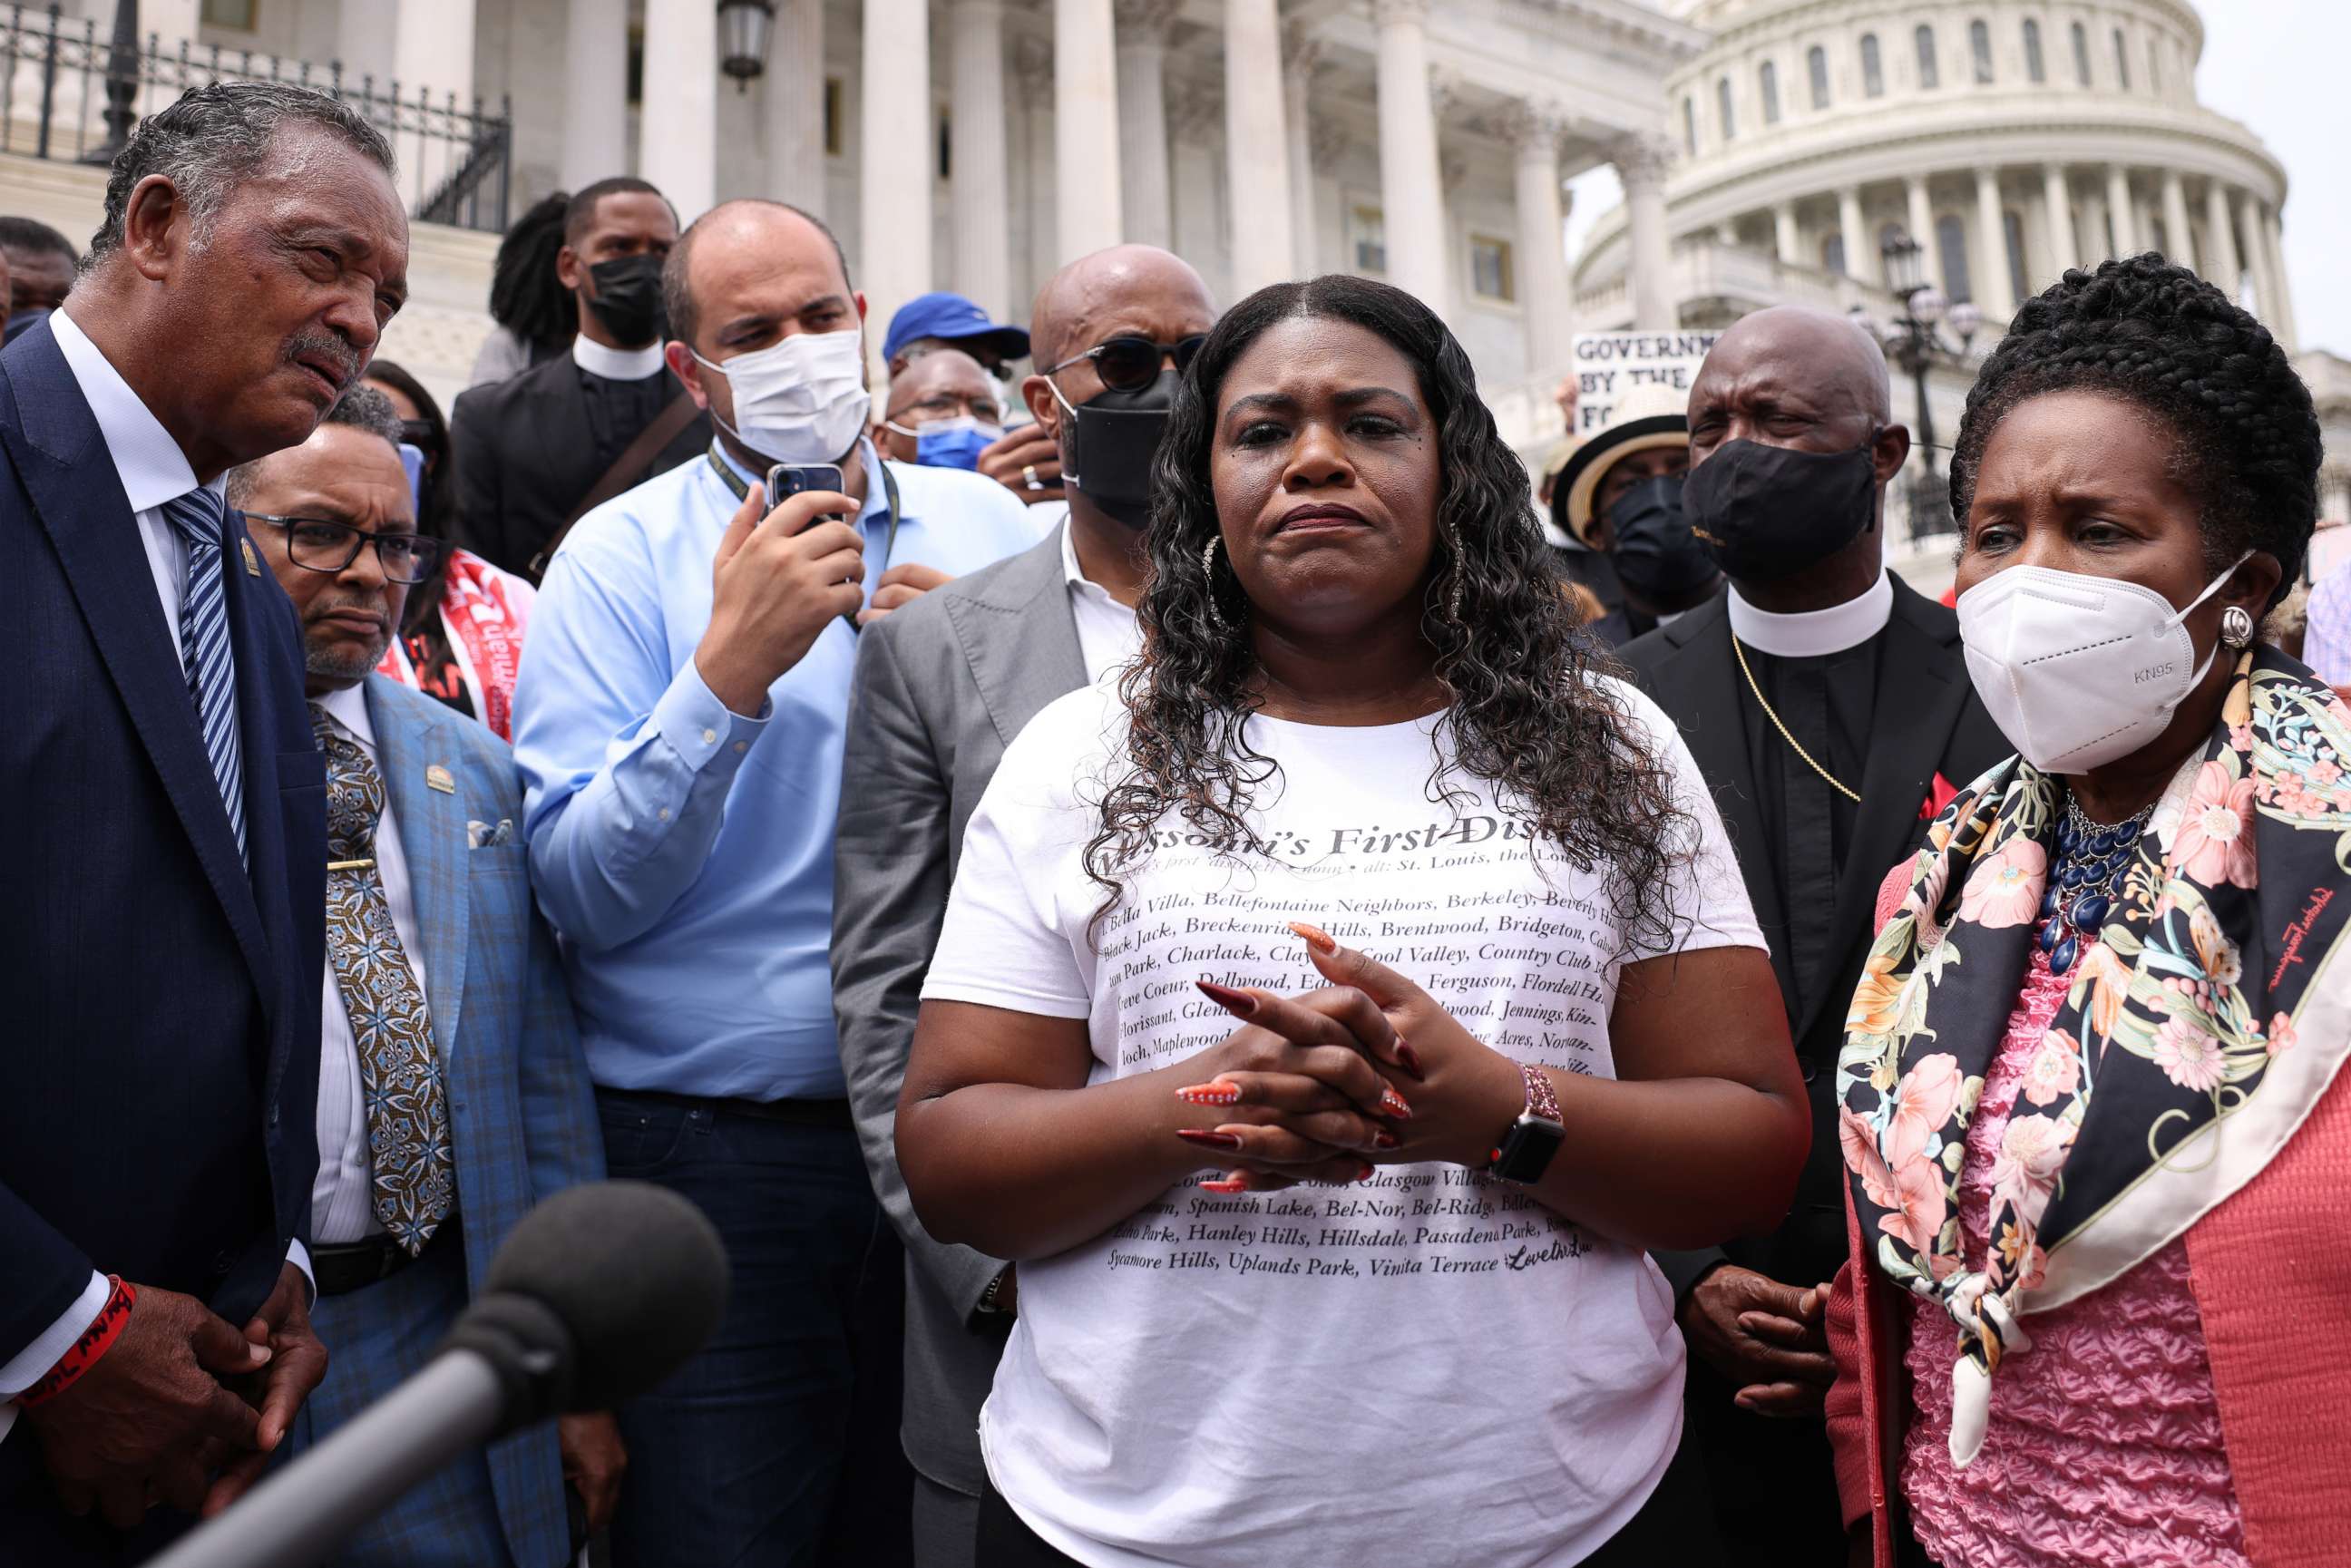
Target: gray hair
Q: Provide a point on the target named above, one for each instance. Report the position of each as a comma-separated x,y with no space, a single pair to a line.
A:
214,138
363,408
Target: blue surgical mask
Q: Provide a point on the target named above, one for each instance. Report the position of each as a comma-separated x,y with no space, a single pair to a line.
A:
950,443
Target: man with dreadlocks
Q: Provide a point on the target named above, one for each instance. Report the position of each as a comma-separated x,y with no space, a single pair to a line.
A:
2091,1101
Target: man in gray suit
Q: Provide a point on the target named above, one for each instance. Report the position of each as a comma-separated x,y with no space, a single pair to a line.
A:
942,688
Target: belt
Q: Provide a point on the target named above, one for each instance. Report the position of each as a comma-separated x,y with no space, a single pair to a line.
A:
797,1113
342,1269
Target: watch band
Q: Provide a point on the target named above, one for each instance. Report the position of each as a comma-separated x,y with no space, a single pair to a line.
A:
1541,1100
1529,1144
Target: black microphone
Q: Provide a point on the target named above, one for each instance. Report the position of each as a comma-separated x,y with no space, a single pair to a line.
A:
600,1292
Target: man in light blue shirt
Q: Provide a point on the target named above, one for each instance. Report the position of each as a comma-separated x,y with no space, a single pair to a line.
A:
678,724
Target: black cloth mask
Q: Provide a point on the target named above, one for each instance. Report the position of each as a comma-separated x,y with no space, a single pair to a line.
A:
1651,542
1768,512
628,299
1108,443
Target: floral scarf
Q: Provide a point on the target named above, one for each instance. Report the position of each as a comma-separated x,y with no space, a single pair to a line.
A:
2202,1023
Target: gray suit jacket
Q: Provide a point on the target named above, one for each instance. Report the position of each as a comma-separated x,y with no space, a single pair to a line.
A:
942,688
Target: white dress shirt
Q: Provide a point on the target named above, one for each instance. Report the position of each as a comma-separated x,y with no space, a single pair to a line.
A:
1814,634
152,470
616,364
342,1198
1108,634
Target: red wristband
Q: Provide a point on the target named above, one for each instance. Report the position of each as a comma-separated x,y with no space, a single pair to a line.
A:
95,1342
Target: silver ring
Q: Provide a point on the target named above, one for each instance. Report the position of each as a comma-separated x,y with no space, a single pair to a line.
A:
1029,476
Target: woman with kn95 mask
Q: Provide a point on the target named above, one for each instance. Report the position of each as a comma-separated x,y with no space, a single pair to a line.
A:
2092,1102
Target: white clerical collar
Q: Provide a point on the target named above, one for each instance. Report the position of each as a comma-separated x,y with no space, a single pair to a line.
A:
616,364
150,463
1811,634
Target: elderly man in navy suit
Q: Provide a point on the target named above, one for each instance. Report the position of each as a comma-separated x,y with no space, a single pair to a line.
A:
162,821
451,1091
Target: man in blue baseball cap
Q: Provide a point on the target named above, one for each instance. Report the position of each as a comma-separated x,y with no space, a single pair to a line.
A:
952,321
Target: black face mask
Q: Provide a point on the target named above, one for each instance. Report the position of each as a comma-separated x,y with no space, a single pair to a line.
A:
1768,512
1651,543
628,299
1109,441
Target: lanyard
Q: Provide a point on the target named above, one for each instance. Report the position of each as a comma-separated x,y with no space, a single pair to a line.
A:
742,488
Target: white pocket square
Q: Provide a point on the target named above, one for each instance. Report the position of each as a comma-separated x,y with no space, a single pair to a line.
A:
483,836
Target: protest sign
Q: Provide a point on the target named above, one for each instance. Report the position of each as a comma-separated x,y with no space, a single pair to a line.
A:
1610,364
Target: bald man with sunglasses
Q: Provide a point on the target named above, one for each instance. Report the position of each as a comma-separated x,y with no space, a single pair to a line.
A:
942,686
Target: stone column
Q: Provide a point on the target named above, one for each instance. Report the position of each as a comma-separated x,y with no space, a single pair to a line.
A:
2265,239
1860,257
678,137
1085,129
1787,239
1143,120
896,167
980,200
2282,326
434,48
1543,287
367,41
1993,286
1299,55
1032,77
595,78
792,106
1257,147
2249,231
1641,164
2065,241
2120,212
1412,194
2221,264
2177,229
1922,231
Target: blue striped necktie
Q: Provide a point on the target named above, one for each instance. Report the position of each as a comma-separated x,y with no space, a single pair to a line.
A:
205,647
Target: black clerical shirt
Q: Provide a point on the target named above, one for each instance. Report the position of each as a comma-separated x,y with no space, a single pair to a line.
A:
617,411
1826,702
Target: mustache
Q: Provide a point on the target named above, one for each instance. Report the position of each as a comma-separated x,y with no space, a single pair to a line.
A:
363,604
328,349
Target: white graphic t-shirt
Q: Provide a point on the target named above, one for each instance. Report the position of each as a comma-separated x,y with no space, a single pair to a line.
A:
1426,1368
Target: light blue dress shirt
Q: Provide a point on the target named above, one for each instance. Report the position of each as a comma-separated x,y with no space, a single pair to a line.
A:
683,852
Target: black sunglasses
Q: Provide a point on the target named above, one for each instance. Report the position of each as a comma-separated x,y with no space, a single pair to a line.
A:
1131,362
322,544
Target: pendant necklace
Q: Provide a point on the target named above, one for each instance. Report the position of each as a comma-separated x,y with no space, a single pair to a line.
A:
2091,861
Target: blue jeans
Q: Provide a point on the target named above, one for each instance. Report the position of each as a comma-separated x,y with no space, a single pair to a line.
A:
777,1444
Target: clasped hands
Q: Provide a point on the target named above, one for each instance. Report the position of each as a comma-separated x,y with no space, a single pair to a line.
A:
1321,1086
183,1408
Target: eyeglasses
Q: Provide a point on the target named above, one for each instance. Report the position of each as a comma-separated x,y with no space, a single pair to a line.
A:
321,544
1131,362
986,409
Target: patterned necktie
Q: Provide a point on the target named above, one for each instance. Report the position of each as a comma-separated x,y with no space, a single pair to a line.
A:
205,650
400,1077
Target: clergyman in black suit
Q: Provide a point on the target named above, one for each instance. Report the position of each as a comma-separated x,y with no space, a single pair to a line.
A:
162,821
1828,705
530,449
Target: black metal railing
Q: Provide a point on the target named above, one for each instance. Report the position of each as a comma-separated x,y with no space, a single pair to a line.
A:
455,162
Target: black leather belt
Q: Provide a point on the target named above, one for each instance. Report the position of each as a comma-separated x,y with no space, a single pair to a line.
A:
798,1112
342,1269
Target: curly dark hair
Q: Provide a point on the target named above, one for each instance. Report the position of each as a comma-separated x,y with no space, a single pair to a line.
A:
2152,332
1525,714
526,297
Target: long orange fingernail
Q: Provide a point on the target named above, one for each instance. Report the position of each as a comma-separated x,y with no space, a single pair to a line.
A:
1240,1004
1409,1059
1225,1141
1384,1140
1226,1184
1217,1093
1392,1103
1314,936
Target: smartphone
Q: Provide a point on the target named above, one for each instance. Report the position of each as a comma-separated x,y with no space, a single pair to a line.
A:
786,479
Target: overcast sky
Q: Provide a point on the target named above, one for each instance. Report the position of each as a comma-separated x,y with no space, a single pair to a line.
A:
2279,67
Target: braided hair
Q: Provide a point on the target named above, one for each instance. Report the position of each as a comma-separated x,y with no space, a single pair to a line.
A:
2153,333
1526,715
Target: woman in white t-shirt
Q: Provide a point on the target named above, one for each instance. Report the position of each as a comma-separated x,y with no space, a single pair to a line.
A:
1323,1260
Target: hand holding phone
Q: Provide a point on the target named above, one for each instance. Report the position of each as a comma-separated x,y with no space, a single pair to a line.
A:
786,480
778,580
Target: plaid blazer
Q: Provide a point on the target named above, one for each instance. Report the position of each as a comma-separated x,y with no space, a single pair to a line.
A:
523,1115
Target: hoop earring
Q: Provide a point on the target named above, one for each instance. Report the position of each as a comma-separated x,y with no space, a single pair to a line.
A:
2237,626
1209,581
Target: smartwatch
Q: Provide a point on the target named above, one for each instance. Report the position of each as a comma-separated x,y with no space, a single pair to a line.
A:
1525,1149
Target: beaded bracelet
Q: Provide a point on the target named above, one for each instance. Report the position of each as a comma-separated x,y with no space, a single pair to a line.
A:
94,1342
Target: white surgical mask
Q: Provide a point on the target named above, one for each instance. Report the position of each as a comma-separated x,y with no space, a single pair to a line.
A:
803,400
2079,670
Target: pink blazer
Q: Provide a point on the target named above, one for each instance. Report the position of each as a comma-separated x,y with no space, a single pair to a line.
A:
2270,1269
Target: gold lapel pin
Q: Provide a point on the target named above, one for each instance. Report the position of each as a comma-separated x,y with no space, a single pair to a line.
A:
251,561
439,778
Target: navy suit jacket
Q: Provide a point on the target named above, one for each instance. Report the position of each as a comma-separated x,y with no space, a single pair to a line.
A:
159,1063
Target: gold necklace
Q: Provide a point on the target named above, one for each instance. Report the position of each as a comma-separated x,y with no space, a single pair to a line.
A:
1782,728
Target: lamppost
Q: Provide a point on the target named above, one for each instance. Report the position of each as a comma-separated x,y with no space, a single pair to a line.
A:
743,29
1914,344
121,83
